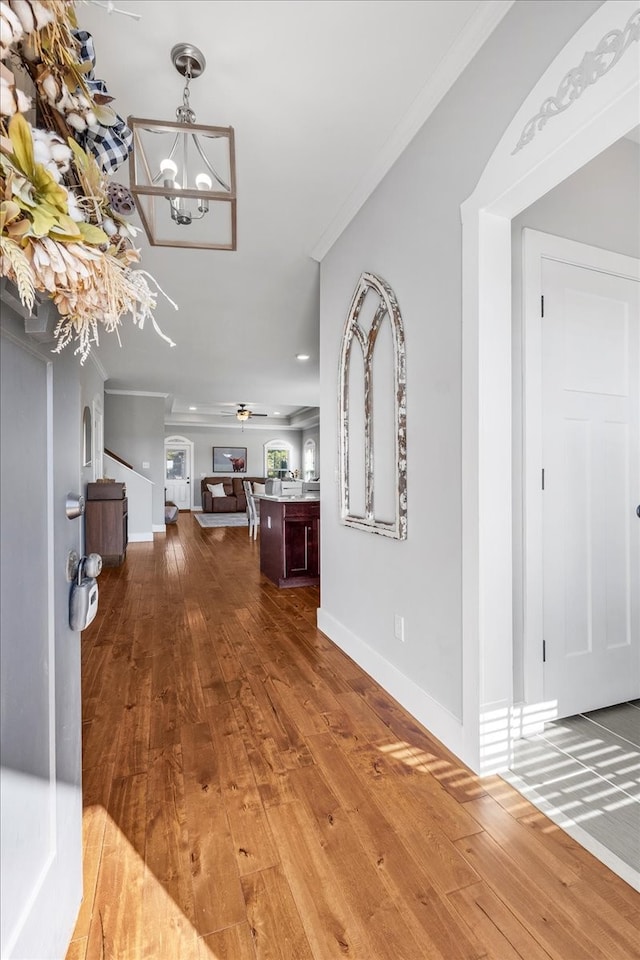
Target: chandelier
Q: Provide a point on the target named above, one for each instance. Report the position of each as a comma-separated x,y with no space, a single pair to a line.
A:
182,173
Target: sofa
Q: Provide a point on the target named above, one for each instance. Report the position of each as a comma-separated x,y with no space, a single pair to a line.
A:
233,500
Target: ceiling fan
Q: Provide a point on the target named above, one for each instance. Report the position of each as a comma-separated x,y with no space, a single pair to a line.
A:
243,413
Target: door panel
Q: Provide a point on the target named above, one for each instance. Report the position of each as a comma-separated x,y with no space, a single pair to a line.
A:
41,816
591,460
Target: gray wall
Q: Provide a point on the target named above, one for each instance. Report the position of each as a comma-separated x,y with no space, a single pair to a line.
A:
409,232
598,206
206,438
134,431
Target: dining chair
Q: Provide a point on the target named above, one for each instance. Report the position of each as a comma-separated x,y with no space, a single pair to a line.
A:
253,509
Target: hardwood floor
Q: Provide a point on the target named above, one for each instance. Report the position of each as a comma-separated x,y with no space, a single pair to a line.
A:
251,794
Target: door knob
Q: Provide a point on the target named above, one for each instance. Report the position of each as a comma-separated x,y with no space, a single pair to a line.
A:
638,510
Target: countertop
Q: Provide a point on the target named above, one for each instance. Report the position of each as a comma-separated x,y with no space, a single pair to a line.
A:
310,498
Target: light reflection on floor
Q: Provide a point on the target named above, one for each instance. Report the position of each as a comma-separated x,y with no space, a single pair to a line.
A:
579,771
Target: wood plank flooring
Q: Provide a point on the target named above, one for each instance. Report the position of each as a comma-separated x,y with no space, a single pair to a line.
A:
251,794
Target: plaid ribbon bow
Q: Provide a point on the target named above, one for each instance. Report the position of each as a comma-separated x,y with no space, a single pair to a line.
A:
110,145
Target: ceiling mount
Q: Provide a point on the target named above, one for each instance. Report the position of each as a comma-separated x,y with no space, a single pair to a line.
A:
188,60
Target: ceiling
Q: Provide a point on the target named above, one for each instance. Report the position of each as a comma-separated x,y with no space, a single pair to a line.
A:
323,95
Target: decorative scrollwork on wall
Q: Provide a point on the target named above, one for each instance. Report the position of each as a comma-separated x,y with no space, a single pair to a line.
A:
387,474
595,64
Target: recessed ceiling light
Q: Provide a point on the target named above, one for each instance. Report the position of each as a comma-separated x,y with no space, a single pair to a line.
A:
193,408
302,356
276,413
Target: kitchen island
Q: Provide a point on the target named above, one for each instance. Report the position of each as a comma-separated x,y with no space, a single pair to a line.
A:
290,540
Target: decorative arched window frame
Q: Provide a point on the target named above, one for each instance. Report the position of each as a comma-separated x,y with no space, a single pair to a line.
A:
355,334
309,459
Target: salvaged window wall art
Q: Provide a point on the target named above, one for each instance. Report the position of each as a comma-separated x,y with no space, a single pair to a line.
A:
372,430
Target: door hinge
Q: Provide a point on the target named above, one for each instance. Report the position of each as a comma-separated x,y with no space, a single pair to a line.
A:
542,305
544,651
543,478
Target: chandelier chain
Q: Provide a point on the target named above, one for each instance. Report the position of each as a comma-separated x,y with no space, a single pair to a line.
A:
184,113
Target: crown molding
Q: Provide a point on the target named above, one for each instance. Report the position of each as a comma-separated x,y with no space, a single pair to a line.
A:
475,32
98,365
213,424
135,393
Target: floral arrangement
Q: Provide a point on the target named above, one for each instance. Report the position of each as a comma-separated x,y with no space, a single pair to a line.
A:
63,226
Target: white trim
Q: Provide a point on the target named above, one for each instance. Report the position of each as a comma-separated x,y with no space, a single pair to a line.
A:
537,246
140,537
159,527
135,393
478,28
275,444
97,364
437,719
213,424
97,436
309,444
130,470
509,184
51,609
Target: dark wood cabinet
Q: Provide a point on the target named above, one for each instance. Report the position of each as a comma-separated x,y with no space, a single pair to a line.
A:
290,541
105,529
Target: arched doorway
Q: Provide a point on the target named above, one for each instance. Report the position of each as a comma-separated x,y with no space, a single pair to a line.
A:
536,153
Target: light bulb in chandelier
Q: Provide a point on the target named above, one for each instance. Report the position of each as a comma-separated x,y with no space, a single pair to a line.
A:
203,182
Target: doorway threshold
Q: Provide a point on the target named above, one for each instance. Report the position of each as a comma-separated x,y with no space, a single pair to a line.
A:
583,772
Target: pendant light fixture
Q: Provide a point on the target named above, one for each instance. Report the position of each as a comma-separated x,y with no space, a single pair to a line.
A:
182,173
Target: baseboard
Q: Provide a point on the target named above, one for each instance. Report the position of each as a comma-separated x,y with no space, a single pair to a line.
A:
427,711
139,537
159,528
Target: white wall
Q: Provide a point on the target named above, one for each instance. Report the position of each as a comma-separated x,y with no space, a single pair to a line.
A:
206,438
599,206
409,233
139,499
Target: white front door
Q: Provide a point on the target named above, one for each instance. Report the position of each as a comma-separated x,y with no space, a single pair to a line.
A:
178,474
591,462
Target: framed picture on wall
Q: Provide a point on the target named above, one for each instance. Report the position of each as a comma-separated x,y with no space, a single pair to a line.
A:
229,459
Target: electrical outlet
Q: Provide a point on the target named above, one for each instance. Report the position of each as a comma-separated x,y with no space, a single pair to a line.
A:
398,627
145,464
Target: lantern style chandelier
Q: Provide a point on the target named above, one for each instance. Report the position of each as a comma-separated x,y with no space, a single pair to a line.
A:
182,173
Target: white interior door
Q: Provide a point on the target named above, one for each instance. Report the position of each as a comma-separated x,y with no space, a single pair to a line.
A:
178,474
591,462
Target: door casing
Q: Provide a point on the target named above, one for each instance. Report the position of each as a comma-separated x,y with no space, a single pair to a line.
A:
183,442
513,179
